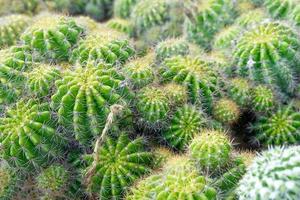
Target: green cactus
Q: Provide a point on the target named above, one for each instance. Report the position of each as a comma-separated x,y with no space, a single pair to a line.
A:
18,6
274,175
28,138
226,37
121,25
121,162
186,123
177,94
140,71
226,111
98,9
242,6
103,46
171,47
40,80
83,97
198,75
281,127
53,37
267,53
295,15
11,27
211,150
262,99
153,105
179,180
8,181
279,8
239,91
123,8
251,17
87,23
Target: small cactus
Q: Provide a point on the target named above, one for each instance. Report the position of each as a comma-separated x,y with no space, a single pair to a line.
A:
171,47
226,37
177,94
251,18
279,8
121,162
83,97
239,91
28,138
8,181
272,176
226,111
211,150
186,123
282,127
87,23
123,8
19,6
262,99
295,15
121,25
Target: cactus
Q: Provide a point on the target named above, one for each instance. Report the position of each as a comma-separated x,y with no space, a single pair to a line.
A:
242,6
121,25
273,175
282,127
295,15
8,181
98,9
28,138
83,97
140,71
103,46
226,111
153,105
185,124
226,37
211,150
177,94
262,99
197,74
18,6
239,91
123,8
251,17
53,37
267,54
179,180
11,27
171,47
87,23
41,79
279,8
121,162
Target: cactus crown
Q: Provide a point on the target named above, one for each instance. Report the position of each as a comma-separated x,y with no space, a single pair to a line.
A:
263,98
171,47
226,111
251,18
239,91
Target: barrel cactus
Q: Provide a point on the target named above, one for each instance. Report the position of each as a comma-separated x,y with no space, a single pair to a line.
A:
262,99
272,175
9,181
198,75
177,94
186,123
226,111
179,180
121,25
53,37
211,150
19,6
83,97
279,8
251,18
123,8
282,127
98,9
171,47
295,15
239,91
28,137
268,54
226,37
121,162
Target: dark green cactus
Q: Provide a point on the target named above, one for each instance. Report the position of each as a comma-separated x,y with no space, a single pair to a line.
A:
279,8
123,8
226,111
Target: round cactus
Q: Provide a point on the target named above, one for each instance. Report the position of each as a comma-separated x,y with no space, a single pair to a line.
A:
282,127
52,36
152,104
140,71
295,15
87,23
179,180
98,9
27,137
41,79
226,111
18,6
121,162
11,27
123,8
171,47
239,91
279,8
53,181
242,6
211,150
121,25
226,37
103,46
185,124
83,98
274,175
267,54
262,99
177,94
8,181
251,18
197,74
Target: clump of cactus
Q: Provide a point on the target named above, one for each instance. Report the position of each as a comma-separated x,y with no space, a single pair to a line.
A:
226,111
272,175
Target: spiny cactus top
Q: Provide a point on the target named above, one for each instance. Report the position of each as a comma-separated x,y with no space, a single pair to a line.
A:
53,37
11,27
123,8
197,74
262,98
226,37
185,124
177,94
121,162
279,8
251,18
8,181
267,53
211,150
239,91
171,47
282,127
27,135
274,175
121,25
226,111
295,15
179,180
103,45
83,98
